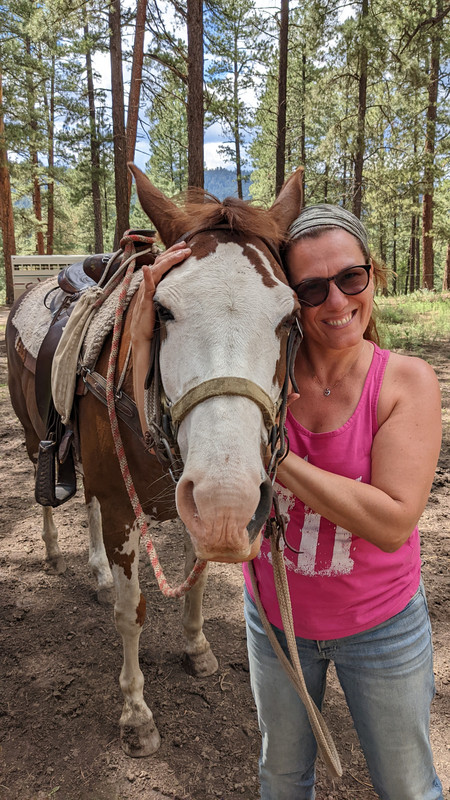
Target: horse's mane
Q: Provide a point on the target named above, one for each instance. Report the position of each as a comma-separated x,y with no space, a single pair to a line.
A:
206,211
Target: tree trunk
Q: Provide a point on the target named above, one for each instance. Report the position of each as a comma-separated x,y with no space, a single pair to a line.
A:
6,208
37,203
417,258
394,257
344,182
51,164
408,270
412,254
325,182
280,156
118,119
135,85
430,136
362,103
95,147
195,110
236,120
303,127
446,281
34,160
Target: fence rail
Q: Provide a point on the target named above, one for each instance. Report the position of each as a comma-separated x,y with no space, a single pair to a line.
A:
28,270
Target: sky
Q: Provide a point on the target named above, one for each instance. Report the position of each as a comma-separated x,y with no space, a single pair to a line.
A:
213,135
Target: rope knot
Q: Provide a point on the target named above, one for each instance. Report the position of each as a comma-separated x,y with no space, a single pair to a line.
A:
131,238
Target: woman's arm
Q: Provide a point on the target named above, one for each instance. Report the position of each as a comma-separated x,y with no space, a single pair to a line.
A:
404,456
143,321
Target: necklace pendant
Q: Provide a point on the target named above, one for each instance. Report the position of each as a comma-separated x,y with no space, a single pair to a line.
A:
327,392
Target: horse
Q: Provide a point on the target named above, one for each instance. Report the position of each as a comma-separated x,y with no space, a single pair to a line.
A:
224,317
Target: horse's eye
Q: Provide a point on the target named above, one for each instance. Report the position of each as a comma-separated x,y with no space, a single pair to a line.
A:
163,313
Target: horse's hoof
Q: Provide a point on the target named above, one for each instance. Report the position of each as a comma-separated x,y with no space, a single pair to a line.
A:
105,596
57,564
200,665
140,741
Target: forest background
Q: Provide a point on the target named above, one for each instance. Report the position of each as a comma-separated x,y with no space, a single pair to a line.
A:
357,93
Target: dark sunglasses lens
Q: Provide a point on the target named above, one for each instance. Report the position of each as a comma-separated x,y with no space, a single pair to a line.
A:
353,281
350,281
313,293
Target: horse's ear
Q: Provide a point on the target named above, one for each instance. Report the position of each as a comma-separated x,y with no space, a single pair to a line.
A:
289,202
169,220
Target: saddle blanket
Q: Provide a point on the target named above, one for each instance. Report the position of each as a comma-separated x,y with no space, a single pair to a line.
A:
103,322
32,319
83,335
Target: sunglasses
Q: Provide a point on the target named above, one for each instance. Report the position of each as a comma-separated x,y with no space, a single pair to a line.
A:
352,280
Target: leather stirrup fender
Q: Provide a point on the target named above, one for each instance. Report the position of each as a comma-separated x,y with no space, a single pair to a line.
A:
56,482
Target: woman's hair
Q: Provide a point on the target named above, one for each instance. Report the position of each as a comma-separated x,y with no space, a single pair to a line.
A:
313,221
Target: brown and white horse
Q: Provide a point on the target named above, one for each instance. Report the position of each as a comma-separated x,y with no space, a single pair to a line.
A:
226,313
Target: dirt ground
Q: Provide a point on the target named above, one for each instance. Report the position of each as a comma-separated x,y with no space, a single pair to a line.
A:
60,660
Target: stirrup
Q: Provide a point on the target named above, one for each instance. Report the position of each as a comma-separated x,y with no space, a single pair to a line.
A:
51,490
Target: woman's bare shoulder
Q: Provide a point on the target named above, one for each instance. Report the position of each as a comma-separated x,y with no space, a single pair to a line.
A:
404,369
407,379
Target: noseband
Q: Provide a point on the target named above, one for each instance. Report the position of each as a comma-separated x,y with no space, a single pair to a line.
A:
164,418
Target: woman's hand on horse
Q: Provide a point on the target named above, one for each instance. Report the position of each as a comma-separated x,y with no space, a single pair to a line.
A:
143,321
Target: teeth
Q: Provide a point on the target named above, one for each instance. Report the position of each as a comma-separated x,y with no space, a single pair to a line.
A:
338,322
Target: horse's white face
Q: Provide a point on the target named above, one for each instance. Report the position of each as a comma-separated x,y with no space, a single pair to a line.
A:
230,314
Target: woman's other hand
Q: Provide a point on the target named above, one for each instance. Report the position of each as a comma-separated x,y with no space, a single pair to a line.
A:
143,321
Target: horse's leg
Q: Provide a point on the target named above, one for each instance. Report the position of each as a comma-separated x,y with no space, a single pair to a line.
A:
23,400
198,658
138,733
98,562
54,557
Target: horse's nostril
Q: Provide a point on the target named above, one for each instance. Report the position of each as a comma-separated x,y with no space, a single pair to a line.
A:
185,498
263,510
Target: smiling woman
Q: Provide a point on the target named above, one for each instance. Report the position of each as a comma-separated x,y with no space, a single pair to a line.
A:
364,438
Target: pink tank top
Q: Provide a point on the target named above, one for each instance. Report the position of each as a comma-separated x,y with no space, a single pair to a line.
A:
339,584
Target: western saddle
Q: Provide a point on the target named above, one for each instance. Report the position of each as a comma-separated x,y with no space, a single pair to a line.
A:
55,473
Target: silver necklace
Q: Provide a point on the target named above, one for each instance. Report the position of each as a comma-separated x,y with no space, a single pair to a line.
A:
326,390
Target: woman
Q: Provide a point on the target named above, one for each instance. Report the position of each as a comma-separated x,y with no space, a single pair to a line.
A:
364,439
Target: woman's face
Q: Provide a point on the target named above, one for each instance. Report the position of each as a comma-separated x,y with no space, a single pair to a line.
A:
342,319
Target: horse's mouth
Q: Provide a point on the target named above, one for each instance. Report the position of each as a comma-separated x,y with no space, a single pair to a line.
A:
232,557
262,512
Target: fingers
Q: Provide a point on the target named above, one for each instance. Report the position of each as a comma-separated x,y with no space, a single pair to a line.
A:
172,256
163,263
292,397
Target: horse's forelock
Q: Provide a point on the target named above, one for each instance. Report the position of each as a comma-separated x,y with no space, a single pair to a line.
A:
206,211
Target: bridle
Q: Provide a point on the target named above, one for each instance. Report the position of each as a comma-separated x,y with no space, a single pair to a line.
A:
164,417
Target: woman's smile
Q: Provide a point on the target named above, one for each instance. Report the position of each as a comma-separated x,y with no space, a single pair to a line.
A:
342,321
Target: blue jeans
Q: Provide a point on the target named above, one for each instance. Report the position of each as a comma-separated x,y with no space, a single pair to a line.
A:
386,674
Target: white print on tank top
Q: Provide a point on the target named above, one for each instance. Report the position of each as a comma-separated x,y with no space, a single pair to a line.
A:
306,561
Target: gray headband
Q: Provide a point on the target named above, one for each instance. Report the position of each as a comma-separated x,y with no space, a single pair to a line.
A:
324,214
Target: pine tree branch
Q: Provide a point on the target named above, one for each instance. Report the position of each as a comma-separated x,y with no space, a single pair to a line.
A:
425,23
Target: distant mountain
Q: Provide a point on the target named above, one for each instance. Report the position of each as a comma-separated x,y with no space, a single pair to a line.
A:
221,183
